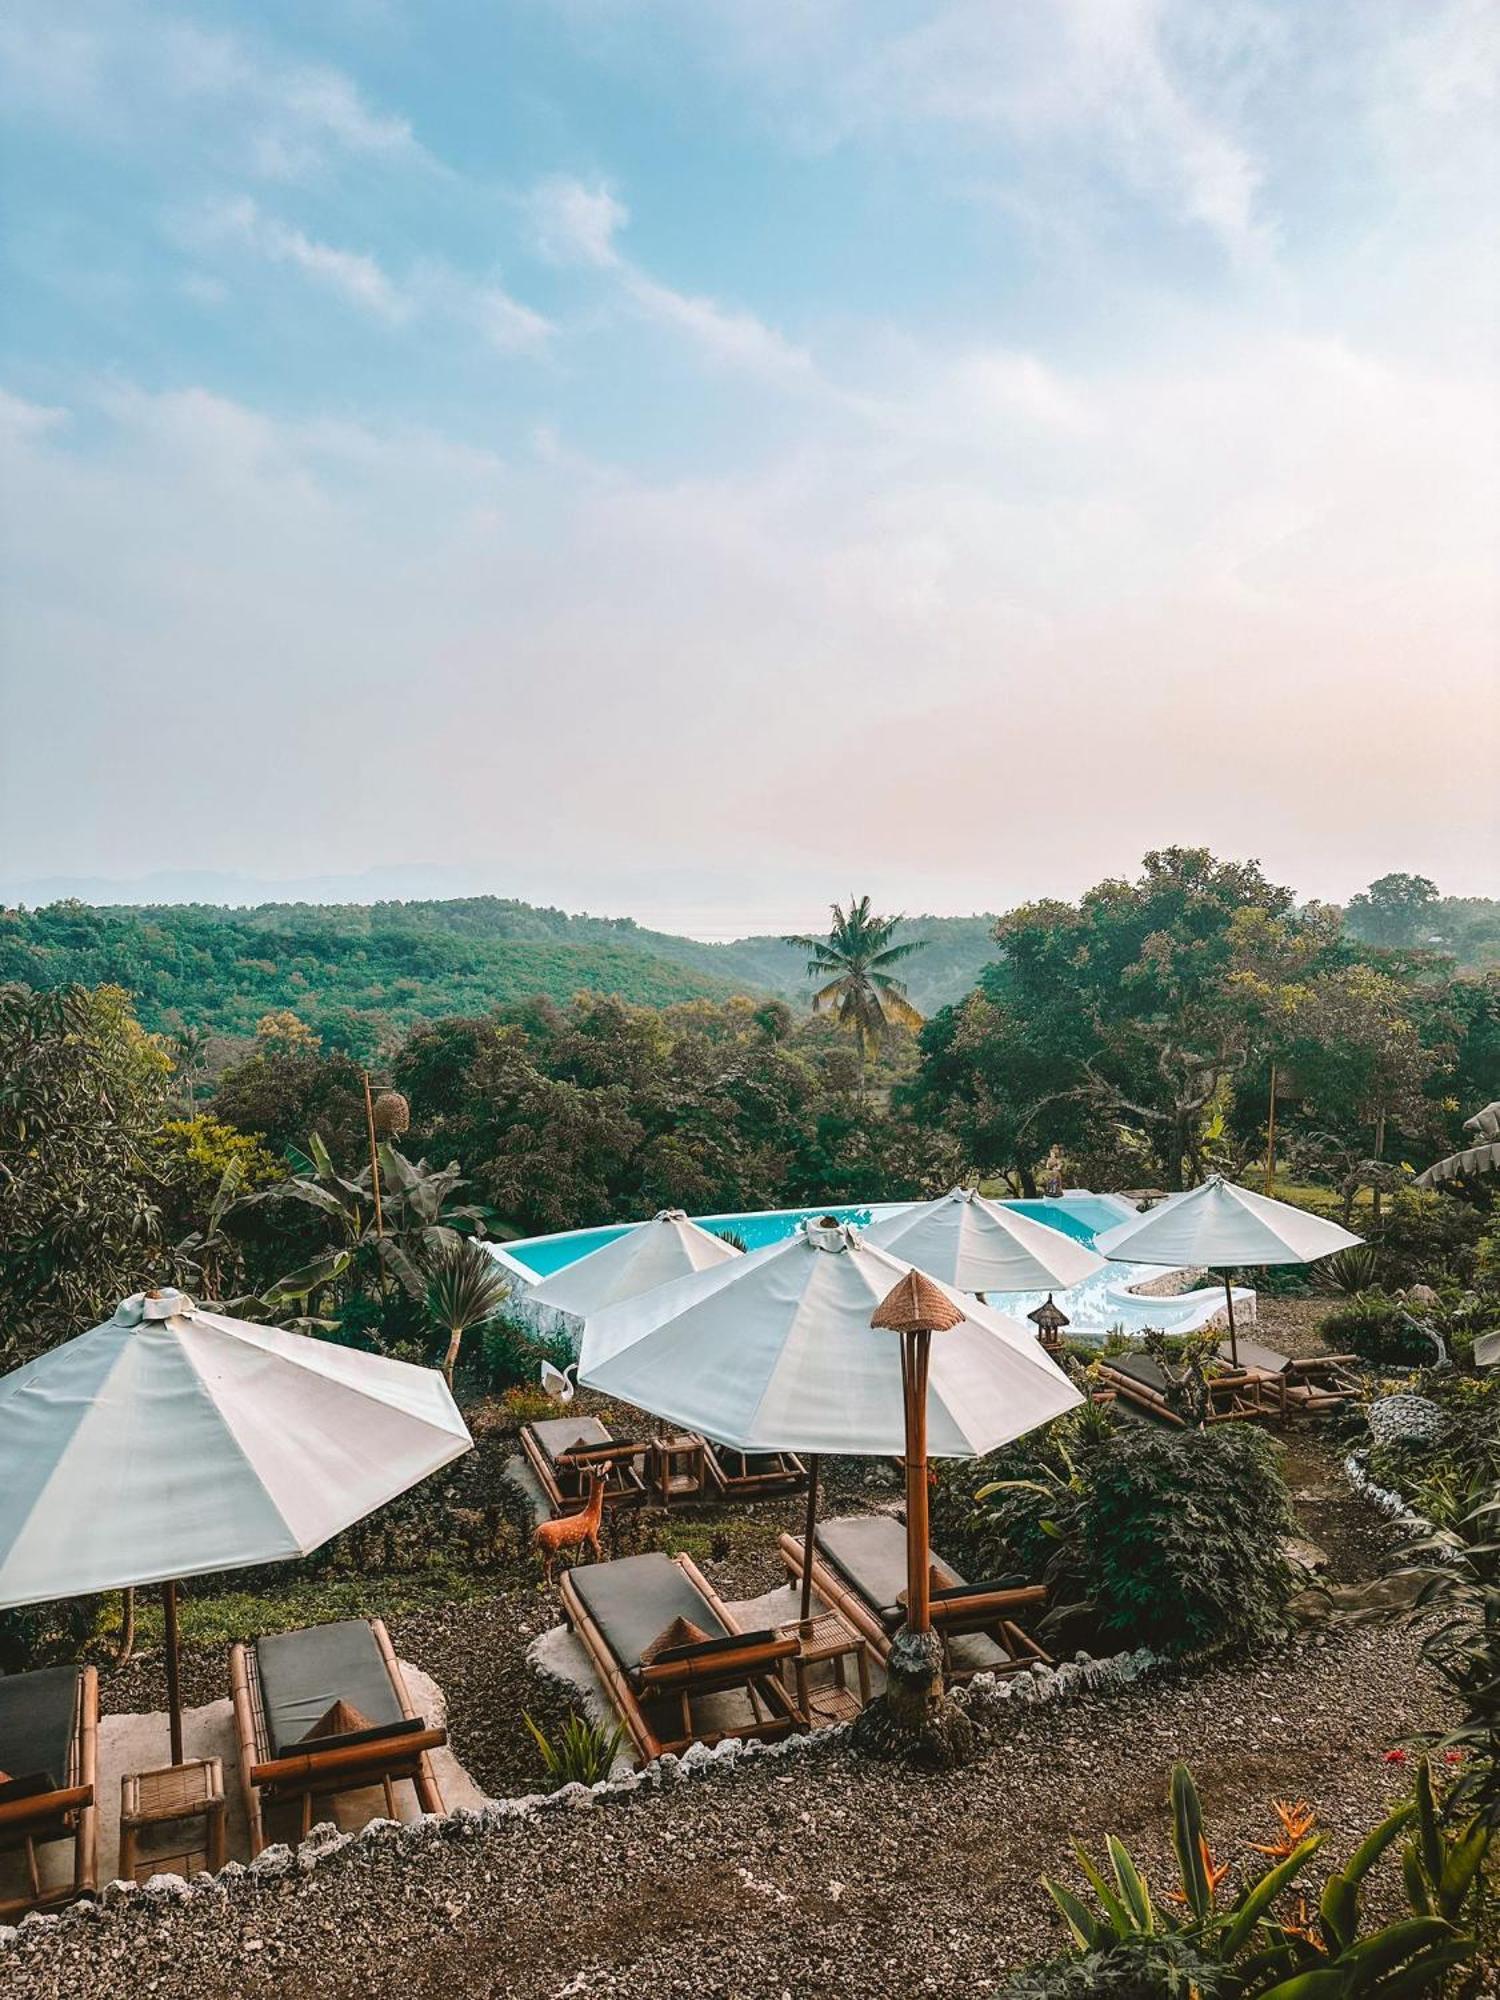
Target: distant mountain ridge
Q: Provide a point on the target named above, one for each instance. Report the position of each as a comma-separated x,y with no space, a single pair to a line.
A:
351,969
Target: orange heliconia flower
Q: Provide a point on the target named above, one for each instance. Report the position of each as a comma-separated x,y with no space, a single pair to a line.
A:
1297,1822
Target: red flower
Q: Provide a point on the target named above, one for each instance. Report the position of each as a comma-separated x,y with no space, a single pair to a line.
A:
1395,1756
1453,1756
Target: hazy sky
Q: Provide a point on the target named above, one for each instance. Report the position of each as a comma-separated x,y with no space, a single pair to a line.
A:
696,457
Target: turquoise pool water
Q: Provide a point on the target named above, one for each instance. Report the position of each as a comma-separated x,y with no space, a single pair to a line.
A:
1098,1306
1083,1216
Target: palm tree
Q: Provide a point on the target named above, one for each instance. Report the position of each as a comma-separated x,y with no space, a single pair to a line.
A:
465,1288
853,964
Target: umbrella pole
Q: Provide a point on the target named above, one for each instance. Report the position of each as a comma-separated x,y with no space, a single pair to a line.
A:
915,1349
808,1534
174,1687
1234,1351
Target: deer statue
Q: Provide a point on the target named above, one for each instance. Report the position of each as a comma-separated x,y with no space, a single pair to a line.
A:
571,1531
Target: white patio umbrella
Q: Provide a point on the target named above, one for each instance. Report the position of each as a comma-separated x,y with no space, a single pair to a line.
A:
648,1254
174,1442
1222,1227
975,1245
775,1352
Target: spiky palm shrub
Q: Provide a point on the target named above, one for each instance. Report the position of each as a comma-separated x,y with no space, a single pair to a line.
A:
464,1288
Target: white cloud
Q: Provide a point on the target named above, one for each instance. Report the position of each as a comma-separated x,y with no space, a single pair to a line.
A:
575,223
127,74
509,326
354,274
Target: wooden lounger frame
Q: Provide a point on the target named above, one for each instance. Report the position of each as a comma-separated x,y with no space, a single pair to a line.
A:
792,1478
1232,1398
1311,1387
754,1667
620,1464
305,1775
986,1612
48,1816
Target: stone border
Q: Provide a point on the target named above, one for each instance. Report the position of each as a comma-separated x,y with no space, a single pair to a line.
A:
985,1696
1396,1510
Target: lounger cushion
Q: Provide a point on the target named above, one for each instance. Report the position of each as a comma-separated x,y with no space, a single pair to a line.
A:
750,1464
557,1436
36,1785
1140,1368
635,1599
302,1675
869,1552
37,1712
1261,1360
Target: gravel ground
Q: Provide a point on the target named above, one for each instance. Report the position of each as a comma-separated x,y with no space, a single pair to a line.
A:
824,1875
827,1875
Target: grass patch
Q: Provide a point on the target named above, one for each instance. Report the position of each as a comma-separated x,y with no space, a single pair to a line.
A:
225,1616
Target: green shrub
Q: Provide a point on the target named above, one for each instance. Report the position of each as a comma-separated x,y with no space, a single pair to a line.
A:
45,1635
1378,1329
1354,1270
1142,1968
582,1753
511,1356
1426,1237
1182,1534
1169,1539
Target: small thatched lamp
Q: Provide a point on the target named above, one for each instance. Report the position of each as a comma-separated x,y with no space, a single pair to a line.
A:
1049,1321
392,1115
916,1309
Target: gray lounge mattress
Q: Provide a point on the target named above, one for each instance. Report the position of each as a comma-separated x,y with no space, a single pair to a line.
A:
36,1724
635,1598
559,1435
869,1551
302,1674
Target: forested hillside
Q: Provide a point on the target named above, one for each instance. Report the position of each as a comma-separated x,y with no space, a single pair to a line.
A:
356,971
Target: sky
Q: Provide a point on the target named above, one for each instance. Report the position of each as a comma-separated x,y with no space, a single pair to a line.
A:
697,458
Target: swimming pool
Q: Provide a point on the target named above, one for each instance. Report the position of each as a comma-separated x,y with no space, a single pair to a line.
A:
1097,1307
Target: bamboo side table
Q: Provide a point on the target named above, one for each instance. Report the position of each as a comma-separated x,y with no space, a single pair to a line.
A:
826,1640
190,1791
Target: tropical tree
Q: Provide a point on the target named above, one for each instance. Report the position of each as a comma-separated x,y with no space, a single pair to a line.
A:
82,1090
854,965
465,1288
418,1222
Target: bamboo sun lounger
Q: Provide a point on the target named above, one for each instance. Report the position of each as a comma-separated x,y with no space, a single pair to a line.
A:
1310,1387
1235,1394
749,1475
859,1570
562,1451
49,1749
664,1644
324,1711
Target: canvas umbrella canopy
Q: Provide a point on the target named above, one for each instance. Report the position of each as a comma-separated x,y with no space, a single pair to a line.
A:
1222,1227
1483,1157
975,1245
174,1442
775,1352
648,1254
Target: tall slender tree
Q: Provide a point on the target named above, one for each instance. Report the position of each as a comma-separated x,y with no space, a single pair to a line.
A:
854,967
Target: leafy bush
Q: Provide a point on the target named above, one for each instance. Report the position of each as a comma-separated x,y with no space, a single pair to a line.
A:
1142,1968
1378,1329
1183,1535
1170,1539
45,1635
511,1356
1429,1237
582,1753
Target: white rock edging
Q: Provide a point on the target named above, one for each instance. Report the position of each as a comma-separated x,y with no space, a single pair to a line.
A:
1395,1509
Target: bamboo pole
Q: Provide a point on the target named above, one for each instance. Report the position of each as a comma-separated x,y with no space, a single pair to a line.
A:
1271,1135
915,1350
809,1533
374,1157
174,1684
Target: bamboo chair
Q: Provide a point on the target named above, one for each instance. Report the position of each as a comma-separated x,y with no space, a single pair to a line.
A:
283,1688
622,1610
753,1475
1233,1396
561,1451
49,1746
1315,1386
859,1570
